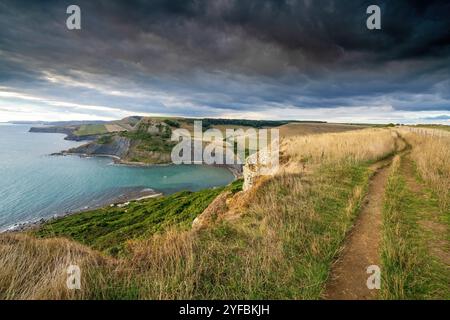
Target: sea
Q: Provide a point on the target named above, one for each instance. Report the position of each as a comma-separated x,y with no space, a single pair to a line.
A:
36,185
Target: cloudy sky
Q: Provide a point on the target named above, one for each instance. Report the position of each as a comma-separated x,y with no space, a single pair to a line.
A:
261,59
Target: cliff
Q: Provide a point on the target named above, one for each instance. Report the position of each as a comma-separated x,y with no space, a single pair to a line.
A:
262,163
68,131
114,146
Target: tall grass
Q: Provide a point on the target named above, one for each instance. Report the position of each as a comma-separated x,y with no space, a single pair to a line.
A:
409,270
357,146
282,246
109,228
284,241
399,256
277,243
431,153
37,269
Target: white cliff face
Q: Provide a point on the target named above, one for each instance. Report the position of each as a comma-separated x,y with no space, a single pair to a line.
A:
250,172
262,163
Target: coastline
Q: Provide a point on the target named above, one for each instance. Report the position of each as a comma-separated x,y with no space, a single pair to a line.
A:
237,173
119,201
236,169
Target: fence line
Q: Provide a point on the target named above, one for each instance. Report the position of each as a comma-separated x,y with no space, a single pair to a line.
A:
429,132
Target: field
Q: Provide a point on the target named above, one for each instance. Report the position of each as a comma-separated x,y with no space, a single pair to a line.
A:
291,236
115,128
416,234
298,129
435,126
90,129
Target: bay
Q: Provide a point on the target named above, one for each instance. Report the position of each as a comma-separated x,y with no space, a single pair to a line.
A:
35,185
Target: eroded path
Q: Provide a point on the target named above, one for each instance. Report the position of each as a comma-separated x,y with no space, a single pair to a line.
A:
430,219
426,242
362,246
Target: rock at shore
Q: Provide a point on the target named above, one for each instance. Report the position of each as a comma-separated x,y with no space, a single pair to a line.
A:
117,146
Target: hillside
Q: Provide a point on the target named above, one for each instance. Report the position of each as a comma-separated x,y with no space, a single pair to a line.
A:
145,140
277,240
297,128
109,228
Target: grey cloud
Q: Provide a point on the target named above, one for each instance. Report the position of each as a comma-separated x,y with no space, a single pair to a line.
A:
229,55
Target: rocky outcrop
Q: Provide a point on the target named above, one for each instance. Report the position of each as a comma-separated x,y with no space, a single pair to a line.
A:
118,147
262,163
156,127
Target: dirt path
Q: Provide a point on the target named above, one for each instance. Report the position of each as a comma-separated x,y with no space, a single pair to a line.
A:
348,275
434,230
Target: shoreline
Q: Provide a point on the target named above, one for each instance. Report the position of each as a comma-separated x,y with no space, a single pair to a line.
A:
237,173
119,161
119,201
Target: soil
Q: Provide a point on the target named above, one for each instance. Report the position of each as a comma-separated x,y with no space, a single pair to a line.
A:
362,247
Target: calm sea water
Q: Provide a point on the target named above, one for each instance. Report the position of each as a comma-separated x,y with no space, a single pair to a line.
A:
35,185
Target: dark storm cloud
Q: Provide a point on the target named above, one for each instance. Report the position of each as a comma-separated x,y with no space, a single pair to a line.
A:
196,57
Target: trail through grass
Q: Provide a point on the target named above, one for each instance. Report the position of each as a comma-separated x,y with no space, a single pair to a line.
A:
415,246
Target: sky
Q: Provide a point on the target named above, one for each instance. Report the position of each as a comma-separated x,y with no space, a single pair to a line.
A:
251,59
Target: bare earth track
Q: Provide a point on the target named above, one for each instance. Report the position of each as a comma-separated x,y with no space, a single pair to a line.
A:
362,247
348,275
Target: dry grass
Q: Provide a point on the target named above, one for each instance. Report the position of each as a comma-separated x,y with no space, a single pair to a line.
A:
431,153
37,269
300,129
356,146
164,265
281,245
411,268
288,232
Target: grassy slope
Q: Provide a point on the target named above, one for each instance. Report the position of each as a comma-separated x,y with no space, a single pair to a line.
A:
149,147
409,270
90,129
286,242
282,247
108,229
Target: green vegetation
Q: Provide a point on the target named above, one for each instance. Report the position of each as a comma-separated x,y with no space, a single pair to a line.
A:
287,238
109,228
172,123
90,129
105,139
278,240
209,123
145,141
284,243
150,142
410,235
